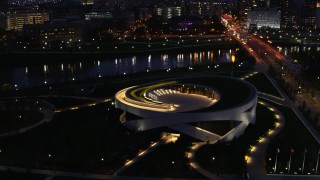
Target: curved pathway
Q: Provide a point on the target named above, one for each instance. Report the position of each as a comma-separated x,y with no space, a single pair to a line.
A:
49,112
255,162
256,158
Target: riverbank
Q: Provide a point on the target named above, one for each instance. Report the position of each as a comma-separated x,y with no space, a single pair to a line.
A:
25,58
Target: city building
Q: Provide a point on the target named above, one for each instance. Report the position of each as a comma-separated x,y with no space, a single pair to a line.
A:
318,14
168,12
248,5
243,7
87,2
16,21
205,8
263,18
97,15
185,24
289,18
308,14
61,31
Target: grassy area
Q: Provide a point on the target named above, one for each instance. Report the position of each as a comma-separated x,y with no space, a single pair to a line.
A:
229,157
77,140
12,120
167,161
61,102
20,176
294,136
262,83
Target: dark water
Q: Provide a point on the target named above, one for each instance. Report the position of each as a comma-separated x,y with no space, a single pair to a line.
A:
34,75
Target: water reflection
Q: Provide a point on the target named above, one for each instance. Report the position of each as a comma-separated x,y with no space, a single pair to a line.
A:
35,75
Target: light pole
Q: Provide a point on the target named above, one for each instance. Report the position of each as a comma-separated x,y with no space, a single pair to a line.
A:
233,59
275,163
304,158
317,162
292,150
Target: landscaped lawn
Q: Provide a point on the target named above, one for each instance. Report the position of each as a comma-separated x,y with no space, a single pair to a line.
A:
20,176
77,140
294,135
167,161
262,83
229,157
62,102
12,120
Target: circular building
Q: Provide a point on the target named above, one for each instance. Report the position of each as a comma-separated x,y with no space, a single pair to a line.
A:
180,102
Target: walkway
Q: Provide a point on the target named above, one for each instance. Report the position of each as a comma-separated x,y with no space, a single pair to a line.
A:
196,132
195,165
256,160
47,117
273,99
142,155
48,112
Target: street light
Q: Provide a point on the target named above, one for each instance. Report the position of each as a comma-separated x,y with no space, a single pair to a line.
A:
317,162
233,59
275,163
304,158
291,151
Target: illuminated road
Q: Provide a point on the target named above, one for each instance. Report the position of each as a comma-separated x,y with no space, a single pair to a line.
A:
265,55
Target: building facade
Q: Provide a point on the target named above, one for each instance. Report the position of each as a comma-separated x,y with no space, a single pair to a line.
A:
264,18
308,14
205,8
168,12
97,15
289,18
318,15
63,31
16,21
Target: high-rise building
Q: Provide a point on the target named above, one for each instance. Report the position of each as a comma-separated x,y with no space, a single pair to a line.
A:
264,18
16,21
98,15
318,14
248,5
243,7
308,14
289,18
168,12
205,7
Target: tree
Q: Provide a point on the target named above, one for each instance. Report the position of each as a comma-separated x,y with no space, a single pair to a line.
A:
304,104
139,32
154,24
